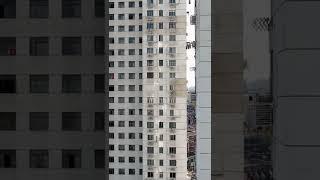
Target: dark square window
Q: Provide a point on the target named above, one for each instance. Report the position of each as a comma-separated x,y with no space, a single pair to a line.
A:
99,45
71,8
7,121
7,46
39,121
39,8
39,83
111,4
99,83
71,121
99,157
7,8
39,46
7,84
131,4
71,83
71,158
71,46
39,159
99,121
99,8
7,158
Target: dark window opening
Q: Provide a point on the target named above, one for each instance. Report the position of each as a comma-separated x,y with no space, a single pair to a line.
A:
71,158
7,84
39,121
7,8
39,8
7,121
39,46
71,8
71,121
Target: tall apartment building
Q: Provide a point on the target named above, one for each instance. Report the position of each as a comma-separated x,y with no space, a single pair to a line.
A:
147,109
295,44
52,89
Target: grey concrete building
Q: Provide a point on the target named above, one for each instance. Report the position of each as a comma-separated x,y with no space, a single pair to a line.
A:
52,89
295,44
220,148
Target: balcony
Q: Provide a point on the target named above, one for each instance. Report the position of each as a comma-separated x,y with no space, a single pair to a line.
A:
172,5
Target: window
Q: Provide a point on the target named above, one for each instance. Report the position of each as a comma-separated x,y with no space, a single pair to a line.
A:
111,171
172,37
71,121
8,9
132,87
111,28
149,75
132,171
99,45
120,63
140,77
132,40
99,121
160,1
172,13
39,121
71,158
111,147
121,88
111,99
7,121
132,52
111,52
150,174
171,112
160,37
160,75
111,63
99,157
149,26
172,50
131,99
7,158
140,15
172,1
99,8
132,123
161,150
140,87
132,64
121,147
121,75
150,150
39,8
111,159
71,83
149,62
7,46
99,83
120,4
121,17
160,88
111,135
131,16
132,28
172,25
160,50
161,137
172,137
160,62
71,46
132,75
161,175
120,99
111,4
120,52
172,162
132,111
39,83
150,137
132,147
161,112
149,13
121,40
111,88
172,150
172,175
172,62
132,135
140,3
111,123
39,46
172,75
160,124
161,25
71,8
39,159
131,4
160,12
140,99
160,100
121,28
121,159
120,111
140,27
172,125
122,171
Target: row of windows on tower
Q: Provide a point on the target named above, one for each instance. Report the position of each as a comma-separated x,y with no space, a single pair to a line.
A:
40,158
150,150
122,171
149,26
161,63
132,16
71,83
40,8
39,121
132,40
132,4
39,46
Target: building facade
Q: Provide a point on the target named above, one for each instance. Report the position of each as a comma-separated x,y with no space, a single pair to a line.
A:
295,63
52,89
147,63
